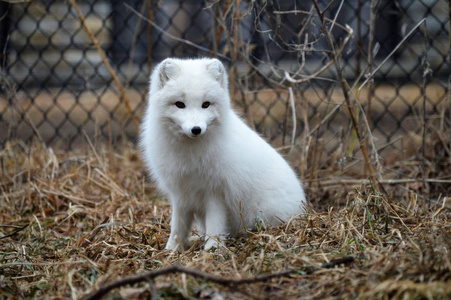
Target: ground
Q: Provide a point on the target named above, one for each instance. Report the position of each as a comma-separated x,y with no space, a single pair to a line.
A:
74,221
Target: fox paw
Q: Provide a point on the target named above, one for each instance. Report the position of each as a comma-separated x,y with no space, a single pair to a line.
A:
212,244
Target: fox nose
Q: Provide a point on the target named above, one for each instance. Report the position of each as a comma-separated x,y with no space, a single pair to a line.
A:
196,130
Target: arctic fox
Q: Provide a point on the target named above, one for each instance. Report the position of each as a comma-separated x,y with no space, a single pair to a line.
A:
216,171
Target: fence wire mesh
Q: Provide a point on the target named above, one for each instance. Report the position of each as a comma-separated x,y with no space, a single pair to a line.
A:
56,88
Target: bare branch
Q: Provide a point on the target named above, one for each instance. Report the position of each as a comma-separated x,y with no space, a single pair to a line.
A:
286,12
146,277
336,15
106,62
293,113
371,75
345,88
172,36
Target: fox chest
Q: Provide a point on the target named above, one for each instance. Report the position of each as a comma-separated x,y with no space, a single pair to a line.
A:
192,172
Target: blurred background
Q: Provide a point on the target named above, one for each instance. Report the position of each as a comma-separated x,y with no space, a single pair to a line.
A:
285,70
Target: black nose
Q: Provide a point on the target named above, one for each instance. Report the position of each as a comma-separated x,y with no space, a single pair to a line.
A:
196,130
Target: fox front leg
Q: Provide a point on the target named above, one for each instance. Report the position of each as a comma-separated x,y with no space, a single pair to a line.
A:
215,224
180,227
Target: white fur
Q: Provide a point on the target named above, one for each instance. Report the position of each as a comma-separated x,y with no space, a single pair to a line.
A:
210,176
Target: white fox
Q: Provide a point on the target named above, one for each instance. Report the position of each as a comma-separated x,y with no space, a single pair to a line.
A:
216,171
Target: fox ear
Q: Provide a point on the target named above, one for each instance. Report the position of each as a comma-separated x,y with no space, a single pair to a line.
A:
217,70
168,70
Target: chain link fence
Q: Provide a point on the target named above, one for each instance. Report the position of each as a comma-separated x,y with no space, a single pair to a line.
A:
56,88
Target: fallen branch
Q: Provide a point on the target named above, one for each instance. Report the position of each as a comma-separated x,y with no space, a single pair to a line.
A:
145,277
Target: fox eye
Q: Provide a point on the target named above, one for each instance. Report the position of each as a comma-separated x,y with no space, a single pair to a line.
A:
180,104
206,104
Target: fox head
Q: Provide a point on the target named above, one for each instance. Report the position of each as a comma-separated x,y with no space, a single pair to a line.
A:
189,97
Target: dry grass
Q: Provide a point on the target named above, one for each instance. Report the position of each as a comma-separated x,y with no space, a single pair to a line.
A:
92,219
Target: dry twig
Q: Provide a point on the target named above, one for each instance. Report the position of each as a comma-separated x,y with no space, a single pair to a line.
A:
145,277
107,64
14,232
345,88
166,33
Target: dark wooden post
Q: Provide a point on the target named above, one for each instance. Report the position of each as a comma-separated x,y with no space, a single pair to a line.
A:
4,31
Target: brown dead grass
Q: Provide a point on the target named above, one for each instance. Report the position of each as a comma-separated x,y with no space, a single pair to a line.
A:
92,219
